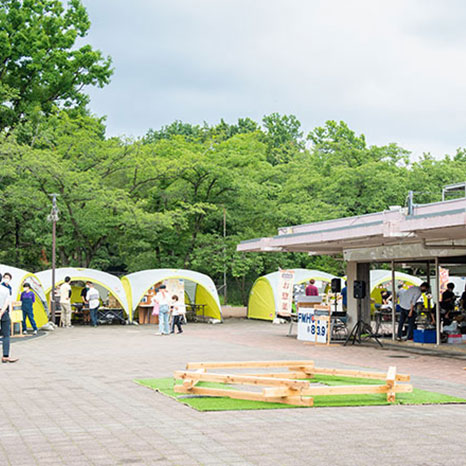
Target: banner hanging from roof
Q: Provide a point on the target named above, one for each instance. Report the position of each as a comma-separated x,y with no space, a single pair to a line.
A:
285,288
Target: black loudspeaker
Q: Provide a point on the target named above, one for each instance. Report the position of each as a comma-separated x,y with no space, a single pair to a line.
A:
336,285
359,289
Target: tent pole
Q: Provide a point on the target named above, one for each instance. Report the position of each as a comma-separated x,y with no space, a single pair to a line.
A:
394,299
437,302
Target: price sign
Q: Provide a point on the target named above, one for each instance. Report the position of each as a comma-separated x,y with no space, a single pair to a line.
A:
311,327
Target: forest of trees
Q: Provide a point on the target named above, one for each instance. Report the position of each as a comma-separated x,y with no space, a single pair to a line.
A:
159,201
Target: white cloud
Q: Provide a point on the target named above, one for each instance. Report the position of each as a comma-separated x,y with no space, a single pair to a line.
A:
392,70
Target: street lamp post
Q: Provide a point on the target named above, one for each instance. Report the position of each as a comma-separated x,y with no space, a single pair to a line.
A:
53,217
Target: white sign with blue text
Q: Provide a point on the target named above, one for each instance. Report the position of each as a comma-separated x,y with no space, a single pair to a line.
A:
311,327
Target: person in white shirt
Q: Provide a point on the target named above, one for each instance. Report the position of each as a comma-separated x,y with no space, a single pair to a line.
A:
178,312
163,301
5,322
65,303
93,298
407,302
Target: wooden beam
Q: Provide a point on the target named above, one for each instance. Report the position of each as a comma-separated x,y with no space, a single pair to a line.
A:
360,374
241,379
391,384
246,364
338,390
243,395
283,375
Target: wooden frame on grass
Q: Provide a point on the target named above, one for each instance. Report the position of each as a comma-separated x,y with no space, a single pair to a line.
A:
284,387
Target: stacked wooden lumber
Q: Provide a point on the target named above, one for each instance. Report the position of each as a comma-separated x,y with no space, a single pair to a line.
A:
284,387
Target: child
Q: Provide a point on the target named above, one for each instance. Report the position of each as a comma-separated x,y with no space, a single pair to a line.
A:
178,312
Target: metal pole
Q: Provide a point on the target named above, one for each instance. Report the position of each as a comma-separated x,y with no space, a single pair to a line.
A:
429,306
224,256
53,217
54,234
394,298
437,302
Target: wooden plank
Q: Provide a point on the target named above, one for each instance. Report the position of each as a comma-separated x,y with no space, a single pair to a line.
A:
338,390
391,378
360,374
246,364
284,375
243,395
241,379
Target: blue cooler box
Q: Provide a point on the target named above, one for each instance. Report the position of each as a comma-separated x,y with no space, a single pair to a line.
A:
424,336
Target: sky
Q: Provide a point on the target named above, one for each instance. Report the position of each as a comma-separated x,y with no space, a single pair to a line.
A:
392,70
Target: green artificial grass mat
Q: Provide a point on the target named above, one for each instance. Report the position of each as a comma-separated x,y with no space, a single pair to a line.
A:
200,403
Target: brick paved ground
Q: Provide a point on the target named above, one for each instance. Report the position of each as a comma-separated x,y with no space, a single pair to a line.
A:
71,400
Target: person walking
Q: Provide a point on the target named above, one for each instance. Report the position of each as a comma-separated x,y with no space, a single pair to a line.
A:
65,303
5,323
28,298
93,298
162,299
408,301
178,312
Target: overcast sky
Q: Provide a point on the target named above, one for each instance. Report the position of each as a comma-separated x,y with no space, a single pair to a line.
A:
393,70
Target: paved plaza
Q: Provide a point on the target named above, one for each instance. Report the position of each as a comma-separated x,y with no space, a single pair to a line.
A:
71,399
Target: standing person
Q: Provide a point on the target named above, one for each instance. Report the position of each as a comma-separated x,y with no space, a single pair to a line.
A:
6,282
463,299
344,296
178,312
93,298
65,303
86,314
5,323
311,289
408,301
28,298
448,303
162,299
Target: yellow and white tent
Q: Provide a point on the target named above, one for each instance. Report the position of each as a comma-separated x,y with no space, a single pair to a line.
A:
105,282
19,278
199,288
263,298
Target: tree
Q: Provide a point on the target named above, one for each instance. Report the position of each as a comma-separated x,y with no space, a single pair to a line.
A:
41,65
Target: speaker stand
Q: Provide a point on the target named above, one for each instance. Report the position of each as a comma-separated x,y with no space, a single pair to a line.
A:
360,328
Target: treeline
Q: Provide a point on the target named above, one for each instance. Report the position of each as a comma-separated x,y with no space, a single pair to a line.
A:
161,201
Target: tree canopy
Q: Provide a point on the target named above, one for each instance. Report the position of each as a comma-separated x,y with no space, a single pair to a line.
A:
161,200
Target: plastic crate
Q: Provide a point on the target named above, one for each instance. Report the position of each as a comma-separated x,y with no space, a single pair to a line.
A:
424,336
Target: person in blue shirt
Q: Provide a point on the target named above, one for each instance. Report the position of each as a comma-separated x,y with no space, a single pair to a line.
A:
6,282
344,297
28,299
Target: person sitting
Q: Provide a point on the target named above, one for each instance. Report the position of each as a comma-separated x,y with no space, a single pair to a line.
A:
311,289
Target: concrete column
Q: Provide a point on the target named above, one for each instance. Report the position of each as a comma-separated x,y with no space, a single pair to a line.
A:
358,271
351,275
363,273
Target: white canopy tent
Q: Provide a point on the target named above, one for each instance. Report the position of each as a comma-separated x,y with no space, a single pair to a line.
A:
102,280
19,277
200,288
265,293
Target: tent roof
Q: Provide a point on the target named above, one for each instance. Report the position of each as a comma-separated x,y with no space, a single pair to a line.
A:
381,276
141,281
18,277
300,276
108,280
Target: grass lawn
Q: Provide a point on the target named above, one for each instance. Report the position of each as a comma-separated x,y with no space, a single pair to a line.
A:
204,403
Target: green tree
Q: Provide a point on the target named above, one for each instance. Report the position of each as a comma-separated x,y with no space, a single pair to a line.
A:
41,64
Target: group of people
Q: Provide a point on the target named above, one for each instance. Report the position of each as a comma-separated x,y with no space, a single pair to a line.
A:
165,306
90,296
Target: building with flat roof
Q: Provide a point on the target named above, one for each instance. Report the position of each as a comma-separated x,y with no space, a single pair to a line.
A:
429,235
